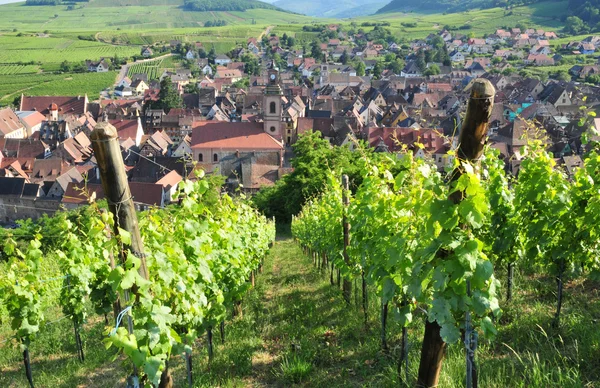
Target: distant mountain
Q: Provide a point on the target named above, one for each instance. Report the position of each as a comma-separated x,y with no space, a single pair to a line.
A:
447,5
331,8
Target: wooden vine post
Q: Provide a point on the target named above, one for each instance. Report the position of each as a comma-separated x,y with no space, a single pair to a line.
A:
347,287
471,142
107,150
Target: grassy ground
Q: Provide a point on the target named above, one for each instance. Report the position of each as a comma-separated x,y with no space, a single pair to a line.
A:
110,16
296,330
12,86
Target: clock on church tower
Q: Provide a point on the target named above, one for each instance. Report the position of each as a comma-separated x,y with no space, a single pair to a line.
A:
272,109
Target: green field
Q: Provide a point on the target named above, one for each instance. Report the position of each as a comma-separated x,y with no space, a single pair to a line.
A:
18,69
56,50
12,86
153,69
95,17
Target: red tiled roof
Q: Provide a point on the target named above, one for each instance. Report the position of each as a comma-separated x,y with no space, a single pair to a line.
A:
170,180
76,105
123,103
394,138
9,122
125,128
31,120
439,87
146,193
238,136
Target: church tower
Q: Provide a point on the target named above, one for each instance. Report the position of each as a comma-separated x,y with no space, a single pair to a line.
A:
272,106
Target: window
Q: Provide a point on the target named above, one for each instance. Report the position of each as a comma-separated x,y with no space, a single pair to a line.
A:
215,158
200,157
273,107
272,129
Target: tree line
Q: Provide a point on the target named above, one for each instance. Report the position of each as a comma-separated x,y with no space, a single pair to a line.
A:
224,5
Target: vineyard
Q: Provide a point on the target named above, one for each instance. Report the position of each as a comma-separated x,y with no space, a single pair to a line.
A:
200,256
435,247
54,84
153,69
57,49
502,270
18,69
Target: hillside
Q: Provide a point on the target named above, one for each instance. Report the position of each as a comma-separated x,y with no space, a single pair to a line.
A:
447,5
334,9
225,5
585,16
128,15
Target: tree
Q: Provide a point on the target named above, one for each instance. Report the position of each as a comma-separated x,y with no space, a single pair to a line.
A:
377,69
251,66
574,25
593,79
360,68
508,71
291,41
432,70
396,66
79,67
563,75
168,97
242,83
191,88
212,54
421,64
314,156
315,50
344,57
65,67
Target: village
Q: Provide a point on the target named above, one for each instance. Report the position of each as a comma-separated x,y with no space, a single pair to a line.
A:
239,114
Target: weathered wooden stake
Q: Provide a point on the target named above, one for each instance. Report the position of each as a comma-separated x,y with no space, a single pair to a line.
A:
188,367
347,287
509,285
384,314
107,151
117,304
472,139
365,304
27,363
331,275
209,340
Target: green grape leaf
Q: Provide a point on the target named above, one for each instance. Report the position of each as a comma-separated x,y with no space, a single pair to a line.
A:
489,331
449,333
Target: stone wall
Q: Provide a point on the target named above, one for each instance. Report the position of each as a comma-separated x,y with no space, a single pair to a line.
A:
14,208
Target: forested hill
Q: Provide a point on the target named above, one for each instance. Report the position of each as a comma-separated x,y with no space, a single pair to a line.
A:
449,5
226,5
588,11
